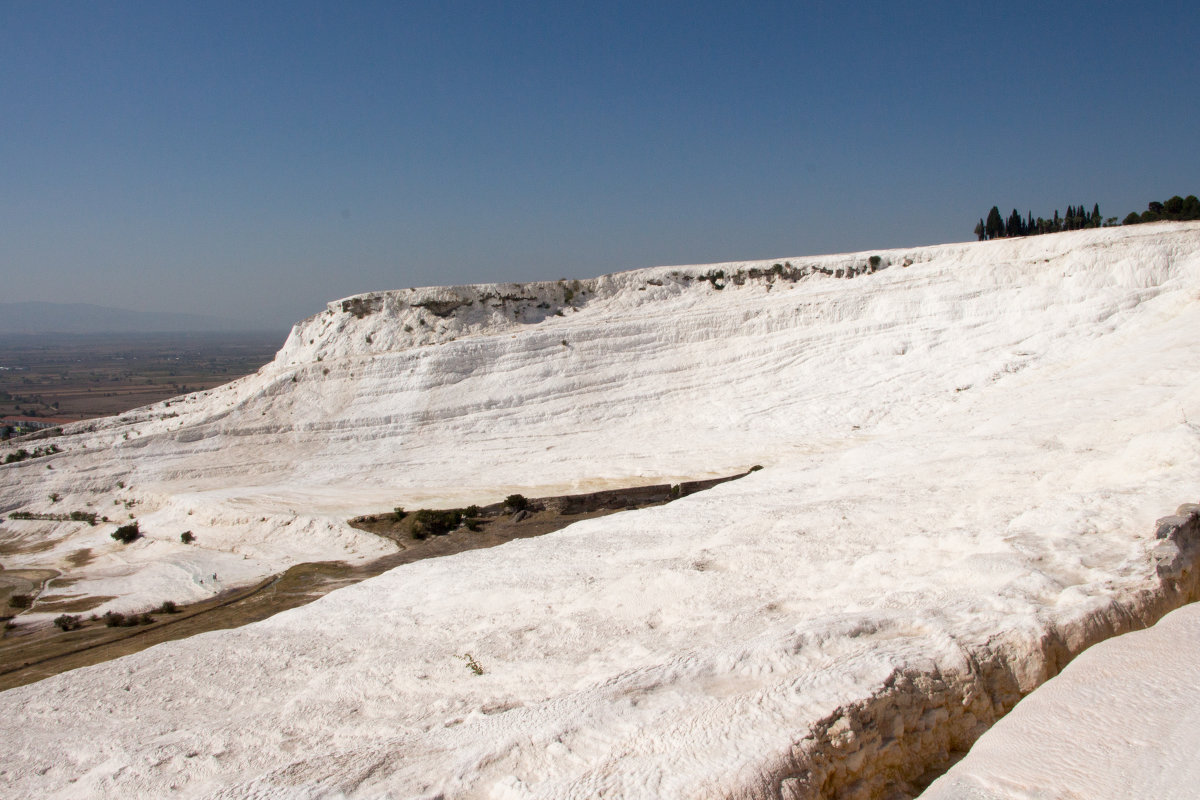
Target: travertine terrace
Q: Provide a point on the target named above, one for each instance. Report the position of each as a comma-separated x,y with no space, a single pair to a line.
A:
965,451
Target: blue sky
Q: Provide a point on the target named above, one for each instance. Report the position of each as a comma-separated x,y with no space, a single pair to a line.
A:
255,160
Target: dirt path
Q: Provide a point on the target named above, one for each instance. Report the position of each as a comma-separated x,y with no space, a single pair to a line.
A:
29,654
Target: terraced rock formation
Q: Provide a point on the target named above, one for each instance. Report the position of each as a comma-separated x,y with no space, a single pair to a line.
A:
965,450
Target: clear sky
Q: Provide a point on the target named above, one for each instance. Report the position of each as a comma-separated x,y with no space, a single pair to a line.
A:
257,159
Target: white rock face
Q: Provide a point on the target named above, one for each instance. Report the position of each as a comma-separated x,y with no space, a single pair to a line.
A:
1121,721
964,461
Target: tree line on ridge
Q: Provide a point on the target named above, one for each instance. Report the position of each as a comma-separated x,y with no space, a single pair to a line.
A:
1077,217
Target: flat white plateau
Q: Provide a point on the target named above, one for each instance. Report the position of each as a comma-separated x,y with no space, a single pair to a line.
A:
960,454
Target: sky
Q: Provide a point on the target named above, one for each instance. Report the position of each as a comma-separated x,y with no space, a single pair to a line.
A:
255,160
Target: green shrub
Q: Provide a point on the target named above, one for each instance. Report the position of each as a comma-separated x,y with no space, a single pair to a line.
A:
127,533
472,664
168,607
517,502
398,514
435,523
874,261
187,537
20,600
115,619
67,622
38,452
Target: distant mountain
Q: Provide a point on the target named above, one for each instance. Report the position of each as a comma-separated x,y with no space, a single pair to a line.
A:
39,317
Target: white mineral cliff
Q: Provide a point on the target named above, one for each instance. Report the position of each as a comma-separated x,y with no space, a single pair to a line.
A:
965,454
1121,721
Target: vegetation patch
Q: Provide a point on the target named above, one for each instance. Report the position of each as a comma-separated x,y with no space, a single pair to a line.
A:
428,522
362,306
1077,218
472,664
74,516
127,533
442,308
67,622
115,619
37,452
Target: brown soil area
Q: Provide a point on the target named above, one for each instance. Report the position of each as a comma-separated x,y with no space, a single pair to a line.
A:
29,653
75,377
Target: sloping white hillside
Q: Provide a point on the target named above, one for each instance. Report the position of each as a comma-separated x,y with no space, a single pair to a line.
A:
965,453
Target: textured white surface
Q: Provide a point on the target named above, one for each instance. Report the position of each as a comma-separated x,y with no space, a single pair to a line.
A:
961,456
1121,721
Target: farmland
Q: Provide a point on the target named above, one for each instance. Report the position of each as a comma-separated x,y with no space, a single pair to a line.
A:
73,377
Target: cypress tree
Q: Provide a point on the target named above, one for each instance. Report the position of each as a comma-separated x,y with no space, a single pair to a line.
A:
1191,207
1014,225
995,224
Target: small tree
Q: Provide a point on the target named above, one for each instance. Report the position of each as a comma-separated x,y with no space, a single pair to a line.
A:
127,533
1191,207
517,502
187,537
994,228
67,622
427,522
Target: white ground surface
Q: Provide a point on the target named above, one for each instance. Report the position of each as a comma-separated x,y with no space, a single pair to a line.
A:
964,459
1122,721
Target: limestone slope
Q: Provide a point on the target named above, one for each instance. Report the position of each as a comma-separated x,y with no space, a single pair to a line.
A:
965,452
